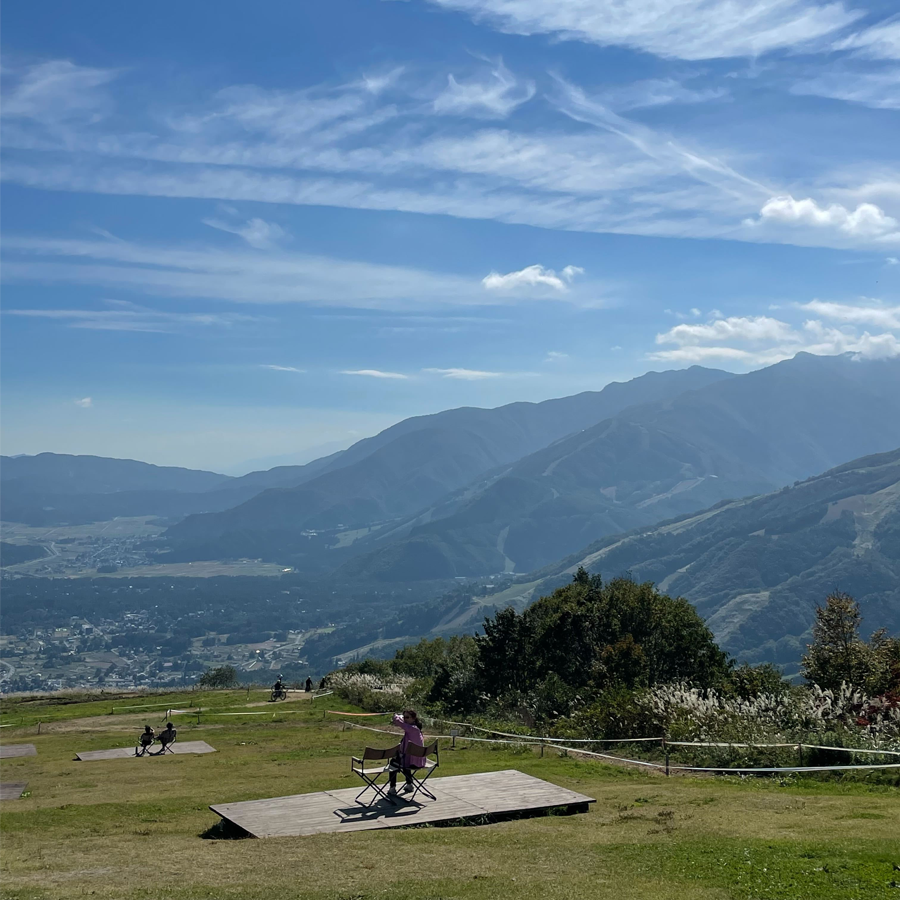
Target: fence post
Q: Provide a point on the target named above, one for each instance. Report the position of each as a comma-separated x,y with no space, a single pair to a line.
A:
39,726
542,748
666,751
800,753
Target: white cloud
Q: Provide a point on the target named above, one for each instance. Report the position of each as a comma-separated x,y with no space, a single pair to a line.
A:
84,402
681,29
762,340
126,316
734,328
275,368
879,42
256,232
554,356
464,374
530,277
867,221
892,261
880,90
57,91
875,314
658,92
495,96
374,373
240,276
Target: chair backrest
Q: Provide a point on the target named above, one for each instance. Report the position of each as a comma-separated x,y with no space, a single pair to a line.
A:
375,753
419,750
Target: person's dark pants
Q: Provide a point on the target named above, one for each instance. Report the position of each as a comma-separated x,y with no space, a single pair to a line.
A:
397,767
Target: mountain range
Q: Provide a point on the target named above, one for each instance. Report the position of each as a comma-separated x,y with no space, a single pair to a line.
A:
755,568
730,438
409,466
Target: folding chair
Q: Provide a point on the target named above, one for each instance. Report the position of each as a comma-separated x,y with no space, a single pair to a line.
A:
428,768
143,749
371,774
166,745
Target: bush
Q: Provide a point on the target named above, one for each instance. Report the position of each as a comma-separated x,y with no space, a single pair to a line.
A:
221,677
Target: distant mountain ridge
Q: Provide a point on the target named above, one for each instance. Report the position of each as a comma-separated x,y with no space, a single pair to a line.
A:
734,437
411,465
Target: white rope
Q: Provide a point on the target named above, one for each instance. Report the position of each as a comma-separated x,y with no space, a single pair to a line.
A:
850,749
713,744
661,766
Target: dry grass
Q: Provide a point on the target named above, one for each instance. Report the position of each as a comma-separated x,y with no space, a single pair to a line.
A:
132,828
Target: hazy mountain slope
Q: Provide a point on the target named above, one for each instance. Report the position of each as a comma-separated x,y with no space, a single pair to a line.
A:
412,464
54,488
742,436
755,568
63,473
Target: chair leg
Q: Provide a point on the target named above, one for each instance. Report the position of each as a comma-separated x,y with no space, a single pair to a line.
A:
379,791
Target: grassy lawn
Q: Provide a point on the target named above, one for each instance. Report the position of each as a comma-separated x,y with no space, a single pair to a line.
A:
133,828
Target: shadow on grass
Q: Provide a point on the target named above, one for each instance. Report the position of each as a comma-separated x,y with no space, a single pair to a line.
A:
224,830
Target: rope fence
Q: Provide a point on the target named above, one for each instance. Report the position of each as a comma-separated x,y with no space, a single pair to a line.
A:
561,744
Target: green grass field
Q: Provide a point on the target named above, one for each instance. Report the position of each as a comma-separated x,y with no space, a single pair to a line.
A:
133,828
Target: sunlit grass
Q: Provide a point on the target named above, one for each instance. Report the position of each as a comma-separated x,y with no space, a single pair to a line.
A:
132,828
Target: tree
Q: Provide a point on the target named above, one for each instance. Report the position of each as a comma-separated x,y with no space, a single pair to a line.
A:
837,653
220,677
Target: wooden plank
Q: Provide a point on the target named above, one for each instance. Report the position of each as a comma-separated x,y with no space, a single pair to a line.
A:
457,797
9,751
178,748
12,790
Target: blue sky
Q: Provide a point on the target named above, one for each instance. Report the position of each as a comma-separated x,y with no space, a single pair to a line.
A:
238,231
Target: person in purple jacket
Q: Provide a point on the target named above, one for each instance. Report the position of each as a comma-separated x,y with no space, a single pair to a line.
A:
403,762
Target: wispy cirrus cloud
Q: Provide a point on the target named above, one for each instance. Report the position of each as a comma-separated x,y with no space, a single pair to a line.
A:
881,41
256,232
376,373
56,92
249,277
275,368
878,89
494,94
121,315
679,29
475,374
84,402
373,144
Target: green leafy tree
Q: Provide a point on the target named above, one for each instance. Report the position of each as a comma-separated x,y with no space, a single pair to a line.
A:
220,677
838,654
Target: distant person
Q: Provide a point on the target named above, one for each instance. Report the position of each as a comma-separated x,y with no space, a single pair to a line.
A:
322,684
403,762
308,684
167,736
145,741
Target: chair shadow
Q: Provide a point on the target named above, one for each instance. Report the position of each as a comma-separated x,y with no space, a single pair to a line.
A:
379,809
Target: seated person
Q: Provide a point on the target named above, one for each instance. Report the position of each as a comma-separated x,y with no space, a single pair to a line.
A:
412,734
145,740
166,736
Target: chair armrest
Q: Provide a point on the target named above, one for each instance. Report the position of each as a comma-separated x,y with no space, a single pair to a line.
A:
355,761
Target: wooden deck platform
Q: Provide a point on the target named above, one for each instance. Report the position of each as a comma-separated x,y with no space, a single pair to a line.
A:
178,747
458,797
12,790
9,751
